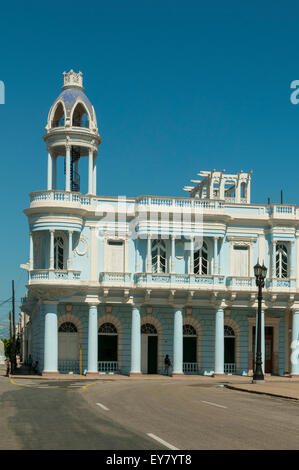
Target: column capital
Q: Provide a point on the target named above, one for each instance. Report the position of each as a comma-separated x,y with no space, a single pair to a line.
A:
173,236
92,300
274,242
52,230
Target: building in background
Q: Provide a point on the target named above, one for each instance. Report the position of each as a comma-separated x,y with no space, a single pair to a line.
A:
115,284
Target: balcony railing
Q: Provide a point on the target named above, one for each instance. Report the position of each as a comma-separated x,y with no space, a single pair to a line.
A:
186,279
108,367
281,282
190,368
115,277
176,202
50,275
240,281
59,196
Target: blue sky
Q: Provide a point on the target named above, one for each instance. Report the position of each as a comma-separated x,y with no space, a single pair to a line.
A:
177,87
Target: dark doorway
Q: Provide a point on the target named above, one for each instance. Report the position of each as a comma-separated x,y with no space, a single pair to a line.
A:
152,354
189,349
107,348
229,350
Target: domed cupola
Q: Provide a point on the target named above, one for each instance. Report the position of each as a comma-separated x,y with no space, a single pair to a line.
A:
72,132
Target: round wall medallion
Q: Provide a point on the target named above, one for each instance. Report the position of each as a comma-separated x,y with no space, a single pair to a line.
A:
82,247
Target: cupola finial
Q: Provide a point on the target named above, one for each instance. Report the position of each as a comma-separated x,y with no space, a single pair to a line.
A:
71,79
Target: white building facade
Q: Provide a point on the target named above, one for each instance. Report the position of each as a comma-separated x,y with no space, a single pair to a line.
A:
115,284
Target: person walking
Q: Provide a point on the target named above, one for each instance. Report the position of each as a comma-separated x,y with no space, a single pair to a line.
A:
167,364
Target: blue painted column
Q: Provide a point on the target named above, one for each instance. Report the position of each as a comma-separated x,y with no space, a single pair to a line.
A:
135,342
178,342
219,342
295,344
92,365
50,339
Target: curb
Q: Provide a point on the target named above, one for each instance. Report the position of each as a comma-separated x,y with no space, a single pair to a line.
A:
260,393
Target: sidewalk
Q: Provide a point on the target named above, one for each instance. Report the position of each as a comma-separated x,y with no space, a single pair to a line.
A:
282,387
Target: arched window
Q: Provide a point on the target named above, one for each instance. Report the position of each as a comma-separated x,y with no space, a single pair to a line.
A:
158,256
148,329
67,327
201,261
281,260
228,332
108,328
58,119
68,348
80,117
59,253
189,330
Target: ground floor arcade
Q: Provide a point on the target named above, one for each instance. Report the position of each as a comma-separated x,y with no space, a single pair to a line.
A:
129,339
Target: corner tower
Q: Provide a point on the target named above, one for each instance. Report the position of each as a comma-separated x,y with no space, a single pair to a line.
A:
72,133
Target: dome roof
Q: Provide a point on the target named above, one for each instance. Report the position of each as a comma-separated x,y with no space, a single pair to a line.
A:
72,94
69,96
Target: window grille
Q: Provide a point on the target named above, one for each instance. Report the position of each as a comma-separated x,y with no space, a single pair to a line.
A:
189,330
201,260
68,327
148,329
158,256
107,328
281,260
228,332
58,253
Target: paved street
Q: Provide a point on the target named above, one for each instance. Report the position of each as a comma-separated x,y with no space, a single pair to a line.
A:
142,414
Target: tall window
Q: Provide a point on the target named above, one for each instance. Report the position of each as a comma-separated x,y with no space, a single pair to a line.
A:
281,260
158,256
58,253
201,260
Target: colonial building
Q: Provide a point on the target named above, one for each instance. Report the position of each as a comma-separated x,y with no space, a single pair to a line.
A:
115,284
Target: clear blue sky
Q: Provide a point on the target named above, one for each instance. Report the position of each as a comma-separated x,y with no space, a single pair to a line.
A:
178,86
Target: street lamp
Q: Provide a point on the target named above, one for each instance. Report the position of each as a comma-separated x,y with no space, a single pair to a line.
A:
260,274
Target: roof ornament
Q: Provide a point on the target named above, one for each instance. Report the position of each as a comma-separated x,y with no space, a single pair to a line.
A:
72,79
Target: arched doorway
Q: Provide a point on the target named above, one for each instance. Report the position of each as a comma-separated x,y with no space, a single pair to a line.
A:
149,349
68,348
107,348
189,349
229,350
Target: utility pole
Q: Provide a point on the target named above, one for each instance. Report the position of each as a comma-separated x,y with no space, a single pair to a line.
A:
14,328
10,337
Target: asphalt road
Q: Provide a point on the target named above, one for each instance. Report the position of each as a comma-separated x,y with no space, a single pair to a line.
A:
142,414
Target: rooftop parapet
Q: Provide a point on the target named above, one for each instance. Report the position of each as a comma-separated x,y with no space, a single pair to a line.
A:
224,187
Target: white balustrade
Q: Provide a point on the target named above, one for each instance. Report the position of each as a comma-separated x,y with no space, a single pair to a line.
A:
229,368
108,367
190,368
